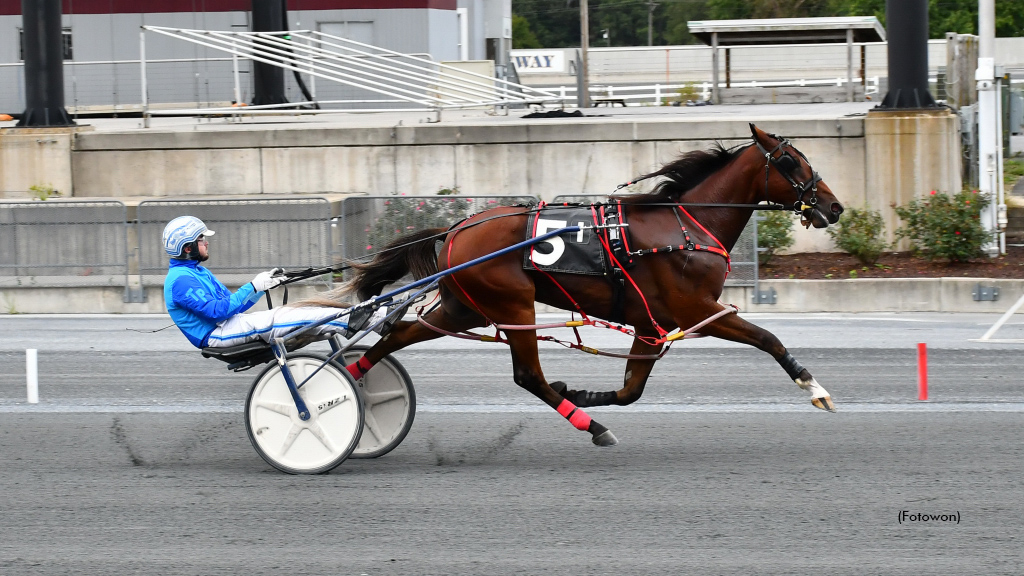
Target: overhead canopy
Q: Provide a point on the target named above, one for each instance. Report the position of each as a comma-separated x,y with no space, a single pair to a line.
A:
788,30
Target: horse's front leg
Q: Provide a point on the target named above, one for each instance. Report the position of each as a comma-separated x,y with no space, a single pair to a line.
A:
637,372
732,327
528,375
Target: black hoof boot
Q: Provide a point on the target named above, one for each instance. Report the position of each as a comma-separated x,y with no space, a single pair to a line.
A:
602,436
583,398
559,387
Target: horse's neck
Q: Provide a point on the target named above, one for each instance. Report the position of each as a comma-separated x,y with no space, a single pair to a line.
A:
737,185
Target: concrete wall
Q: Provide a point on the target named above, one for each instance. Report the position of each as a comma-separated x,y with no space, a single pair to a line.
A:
866,295
35,157
910,154
872,162
515,157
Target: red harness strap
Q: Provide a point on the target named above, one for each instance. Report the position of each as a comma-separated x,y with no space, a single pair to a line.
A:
454,279
720,250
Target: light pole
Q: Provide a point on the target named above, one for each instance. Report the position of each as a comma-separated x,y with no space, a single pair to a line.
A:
584,90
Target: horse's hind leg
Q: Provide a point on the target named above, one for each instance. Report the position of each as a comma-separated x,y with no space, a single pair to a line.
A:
736,329
528,375
452,316
637,372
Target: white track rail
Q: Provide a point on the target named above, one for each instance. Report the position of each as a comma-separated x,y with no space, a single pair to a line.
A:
418,82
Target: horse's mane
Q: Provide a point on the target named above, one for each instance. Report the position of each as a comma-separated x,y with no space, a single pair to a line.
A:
684,173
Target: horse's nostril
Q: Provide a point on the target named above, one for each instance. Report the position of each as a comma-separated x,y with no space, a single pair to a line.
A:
837,208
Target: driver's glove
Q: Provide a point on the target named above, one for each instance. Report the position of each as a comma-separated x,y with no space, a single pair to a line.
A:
267,280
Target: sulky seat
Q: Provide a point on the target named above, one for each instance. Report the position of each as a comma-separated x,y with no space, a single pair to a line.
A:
242,356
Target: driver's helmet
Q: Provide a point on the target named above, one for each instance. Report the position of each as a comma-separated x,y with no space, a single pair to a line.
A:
181,232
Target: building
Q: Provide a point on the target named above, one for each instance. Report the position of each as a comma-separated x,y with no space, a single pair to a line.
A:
102,44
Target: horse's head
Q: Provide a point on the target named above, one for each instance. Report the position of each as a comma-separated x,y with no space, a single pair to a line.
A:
790,180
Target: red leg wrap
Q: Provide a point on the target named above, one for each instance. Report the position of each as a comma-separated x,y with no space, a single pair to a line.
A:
574,415
359,368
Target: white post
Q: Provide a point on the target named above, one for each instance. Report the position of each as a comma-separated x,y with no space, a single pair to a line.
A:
238,84
312,68
32,375
989,139
849,64
142,60
463,16
657,94
714,69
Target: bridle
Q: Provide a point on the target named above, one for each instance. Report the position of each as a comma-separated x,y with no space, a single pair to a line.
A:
786,164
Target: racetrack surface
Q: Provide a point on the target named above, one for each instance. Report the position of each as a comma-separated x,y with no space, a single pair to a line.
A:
499,494
136,461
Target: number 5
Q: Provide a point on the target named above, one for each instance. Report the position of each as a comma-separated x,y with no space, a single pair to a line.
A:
556,243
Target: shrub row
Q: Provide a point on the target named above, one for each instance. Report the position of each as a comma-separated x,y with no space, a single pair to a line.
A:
940,227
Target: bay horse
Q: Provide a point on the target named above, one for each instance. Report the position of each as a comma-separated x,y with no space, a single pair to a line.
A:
667,289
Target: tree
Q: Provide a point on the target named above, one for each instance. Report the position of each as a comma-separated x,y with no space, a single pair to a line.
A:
522,36
555,23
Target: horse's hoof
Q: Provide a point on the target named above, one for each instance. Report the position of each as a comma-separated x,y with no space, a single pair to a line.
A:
559,387
605,438
825,403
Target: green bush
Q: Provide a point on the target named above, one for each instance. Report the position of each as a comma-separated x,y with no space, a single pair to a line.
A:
1013,170
859,233
946,227
774,234
406,215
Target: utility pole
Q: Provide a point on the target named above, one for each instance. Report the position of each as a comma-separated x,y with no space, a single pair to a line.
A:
584,95
650,22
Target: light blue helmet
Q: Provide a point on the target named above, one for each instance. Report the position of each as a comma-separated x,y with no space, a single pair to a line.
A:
182,231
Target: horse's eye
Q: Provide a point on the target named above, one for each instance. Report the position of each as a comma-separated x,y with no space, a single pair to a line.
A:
787,163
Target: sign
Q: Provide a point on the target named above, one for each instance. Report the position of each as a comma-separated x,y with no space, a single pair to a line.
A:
539,61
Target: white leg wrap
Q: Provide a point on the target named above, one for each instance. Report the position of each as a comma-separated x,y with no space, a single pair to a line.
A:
813,387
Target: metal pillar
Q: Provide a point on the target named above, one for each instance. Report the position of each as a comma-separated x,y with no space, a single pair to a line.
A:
907,34
44,65
268,80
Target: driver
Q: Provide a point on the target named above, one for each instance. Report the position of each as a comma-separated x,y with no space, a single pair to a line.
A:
209,314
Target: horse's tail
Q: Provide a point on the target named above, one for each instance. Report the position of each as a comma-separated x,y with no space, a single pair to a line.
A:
412,253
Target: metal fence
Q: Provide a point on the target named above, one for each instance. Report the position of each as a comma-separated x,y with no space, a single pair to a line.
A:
371,222
743,255
63,243
252,235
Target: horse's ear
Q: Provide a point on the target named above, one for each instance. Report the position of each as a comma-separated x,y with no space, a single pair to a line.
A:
753,130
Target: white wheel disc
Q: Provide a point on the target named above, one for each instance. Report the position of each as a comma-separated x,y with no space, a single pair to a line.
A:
304,446
389,405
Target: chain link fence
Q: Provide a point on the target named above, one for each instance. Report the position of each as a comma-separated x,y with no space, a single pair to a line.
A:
63,243
370,222
252,235
743,255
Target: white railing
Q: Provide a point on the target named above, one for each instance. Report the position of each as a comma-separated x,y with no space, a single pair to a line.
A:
401,78
664,94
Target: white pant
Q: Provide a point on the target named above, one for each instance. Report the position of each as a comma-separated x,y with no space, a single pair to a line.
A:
270,324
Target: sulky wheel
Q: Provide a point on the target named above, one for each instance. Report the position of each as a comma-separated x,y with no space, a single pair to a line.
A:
389,405
284,440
